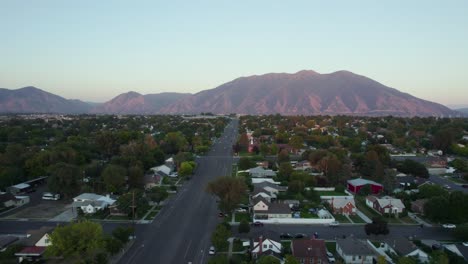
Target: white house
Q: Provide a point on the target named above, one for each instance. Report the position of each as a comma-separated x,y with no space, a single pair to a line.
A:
163,170
90,203
260,172
404,248
265,246
354,251
266,210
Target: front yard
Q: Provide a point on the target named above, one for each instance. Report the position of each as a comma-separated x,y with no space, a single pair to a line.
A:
356,219
242,216
341,218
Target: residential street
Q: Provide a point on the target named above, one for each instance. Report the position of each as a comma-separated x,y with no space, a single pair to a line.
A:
181,232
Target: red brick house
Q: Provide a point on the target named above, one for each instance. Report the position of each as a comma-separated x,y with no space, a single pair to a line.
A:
343,205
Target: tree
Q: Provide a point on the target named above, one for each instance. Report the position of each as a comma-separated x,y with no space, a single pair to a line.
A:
134,197
268,260
122,233
365,190
285,170
243,142
438,257
295,187
64,179
219,259
114,178
377,227
112,245
219,237
283,156
229,190
406,260
81,239
186,169
296,142
174,142
291,260
413,167
135,177
381,260
244,226
157,194
246,163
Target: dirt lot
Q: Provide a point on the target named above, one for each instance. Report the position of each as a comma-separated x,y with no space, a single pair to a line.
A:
42,210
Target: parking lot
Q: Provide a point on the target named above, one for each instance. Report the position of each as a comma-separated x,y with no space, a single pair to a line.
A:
43,210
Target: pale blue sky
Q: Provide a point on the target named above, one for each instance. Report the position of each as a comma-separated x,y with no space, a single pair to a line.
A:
95,50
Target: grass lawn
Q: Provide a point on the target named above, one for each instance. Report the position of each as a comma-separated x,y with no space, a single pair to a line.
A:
237,245
331,246
242,216
151,215
407,220
361,205
356,219
306,214
331,193
341,218
286,247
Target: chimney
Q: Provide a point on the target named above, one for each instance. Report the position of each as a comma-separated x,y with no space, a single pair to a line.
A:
260,245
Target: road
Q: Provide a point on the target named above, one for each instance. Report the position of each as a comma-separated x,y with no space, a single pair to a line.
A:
442,181
181,232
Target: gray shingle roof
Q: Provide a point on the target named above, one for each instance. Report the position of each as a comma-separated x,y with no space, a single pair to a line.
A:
353,246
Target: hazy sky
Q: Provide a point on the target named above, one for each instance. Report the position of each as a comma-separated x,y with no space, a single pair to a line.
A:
95,50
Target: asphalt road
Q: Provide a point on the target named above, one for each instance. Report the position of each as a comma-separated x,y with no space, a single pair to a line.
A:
443,181
181,232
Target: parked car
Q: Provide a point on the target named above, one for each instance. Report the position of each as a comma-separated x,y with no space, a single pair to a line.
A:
331,258
464,185
285,236
465,244
241,210
300,235
446,186
222,214
450,226
257,223
334,224
212,250
50,196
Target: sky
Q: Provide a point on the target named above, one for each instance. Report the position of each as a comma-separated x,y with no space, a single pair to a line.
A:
95,50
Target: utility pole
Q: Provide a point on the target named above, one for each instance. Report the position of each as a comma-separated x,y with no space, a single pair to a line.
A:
133,212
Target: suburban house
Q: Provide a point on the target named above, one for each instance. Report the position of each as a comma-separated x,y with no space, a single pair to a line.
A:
258,192
90,203
266,246
309,251
260,172
10,200
35,244
270,187
385,205
355,185
343,205
151,180
354,251
303,165
266,210
405,248
163,171
19,188
267,190
418,206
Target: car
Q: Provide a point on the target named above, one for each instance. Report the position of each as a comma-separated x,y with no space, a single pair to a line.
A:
465,244
331,258
450,226
334,224
241,210
257,223
446,186
300,235
464,185
222,214
212,250
50,196
285,236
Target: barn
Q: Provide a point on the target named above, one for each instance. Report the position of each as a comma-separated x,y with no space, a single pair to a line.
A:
355,185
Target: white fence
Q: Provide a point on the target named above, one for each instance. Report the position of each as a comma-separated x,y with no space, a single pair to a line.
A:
297,221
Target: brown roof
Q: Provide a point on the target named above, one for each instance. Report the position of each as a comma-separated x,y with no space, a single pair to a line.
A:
309,248
36,234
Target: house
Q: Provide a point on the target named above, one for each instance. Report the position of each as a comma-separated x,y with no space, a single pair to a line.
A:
343,205
90,203
404,248
303,165
266,210
355,185
309,251
5,241
20,188
385,205
269,196
151,180
354,251
7,200
418,206
266,246
270,187
35,244
260,172
163,171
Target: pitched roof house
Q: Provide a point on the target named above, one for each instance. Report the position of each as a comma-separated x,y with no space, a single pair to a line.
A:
260,172
354,251
266,210
405,248
35,244
385,205
309,251
90,203
266,246
343,205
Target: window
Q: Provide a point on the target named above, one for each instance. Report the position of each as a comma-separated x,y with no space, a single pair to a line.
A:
354,258
359,257
265,246
271,246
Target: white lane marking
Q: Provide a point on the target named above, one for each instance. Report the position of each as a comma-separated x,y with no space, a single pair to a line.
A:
186,251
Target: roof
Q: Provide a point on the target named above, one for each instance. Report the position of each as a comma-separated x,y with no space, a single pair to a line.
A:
35,235
21,186
7,240
88,196
353,246
387,201
257,199
371,198
162,168
276,244
31,251
401,245
339,202
309,248
360,182
269,184
278,208
419,202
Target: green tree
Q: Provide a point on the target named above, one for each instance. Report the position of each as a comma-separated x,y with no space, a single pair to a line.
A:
296,142
219,237
114,178
112,245
135,177
122,233
406,260
229,190
81,239
64,179
126,201
285,170
186,169
438,257
219,259
268,260
157,194
244,226
291,260
365,190
246,163
461,232
174,142
295,187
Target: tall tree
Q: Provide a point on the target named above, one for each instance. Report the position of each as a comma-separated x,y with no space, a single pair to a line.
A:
229,190
114,178
64,179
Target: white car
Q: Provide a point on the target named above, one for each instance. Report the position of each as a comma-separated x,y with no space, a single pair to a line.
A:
50,196
449,226
241,210
331,258
465,244
212,250
334,223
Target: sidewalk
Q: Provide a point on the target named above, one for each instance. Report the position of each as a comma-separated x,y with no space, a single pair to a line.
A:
419,220
363,216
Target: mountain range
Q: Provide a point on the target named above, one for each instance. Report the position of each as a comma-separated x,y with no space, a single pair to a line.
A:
304,92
